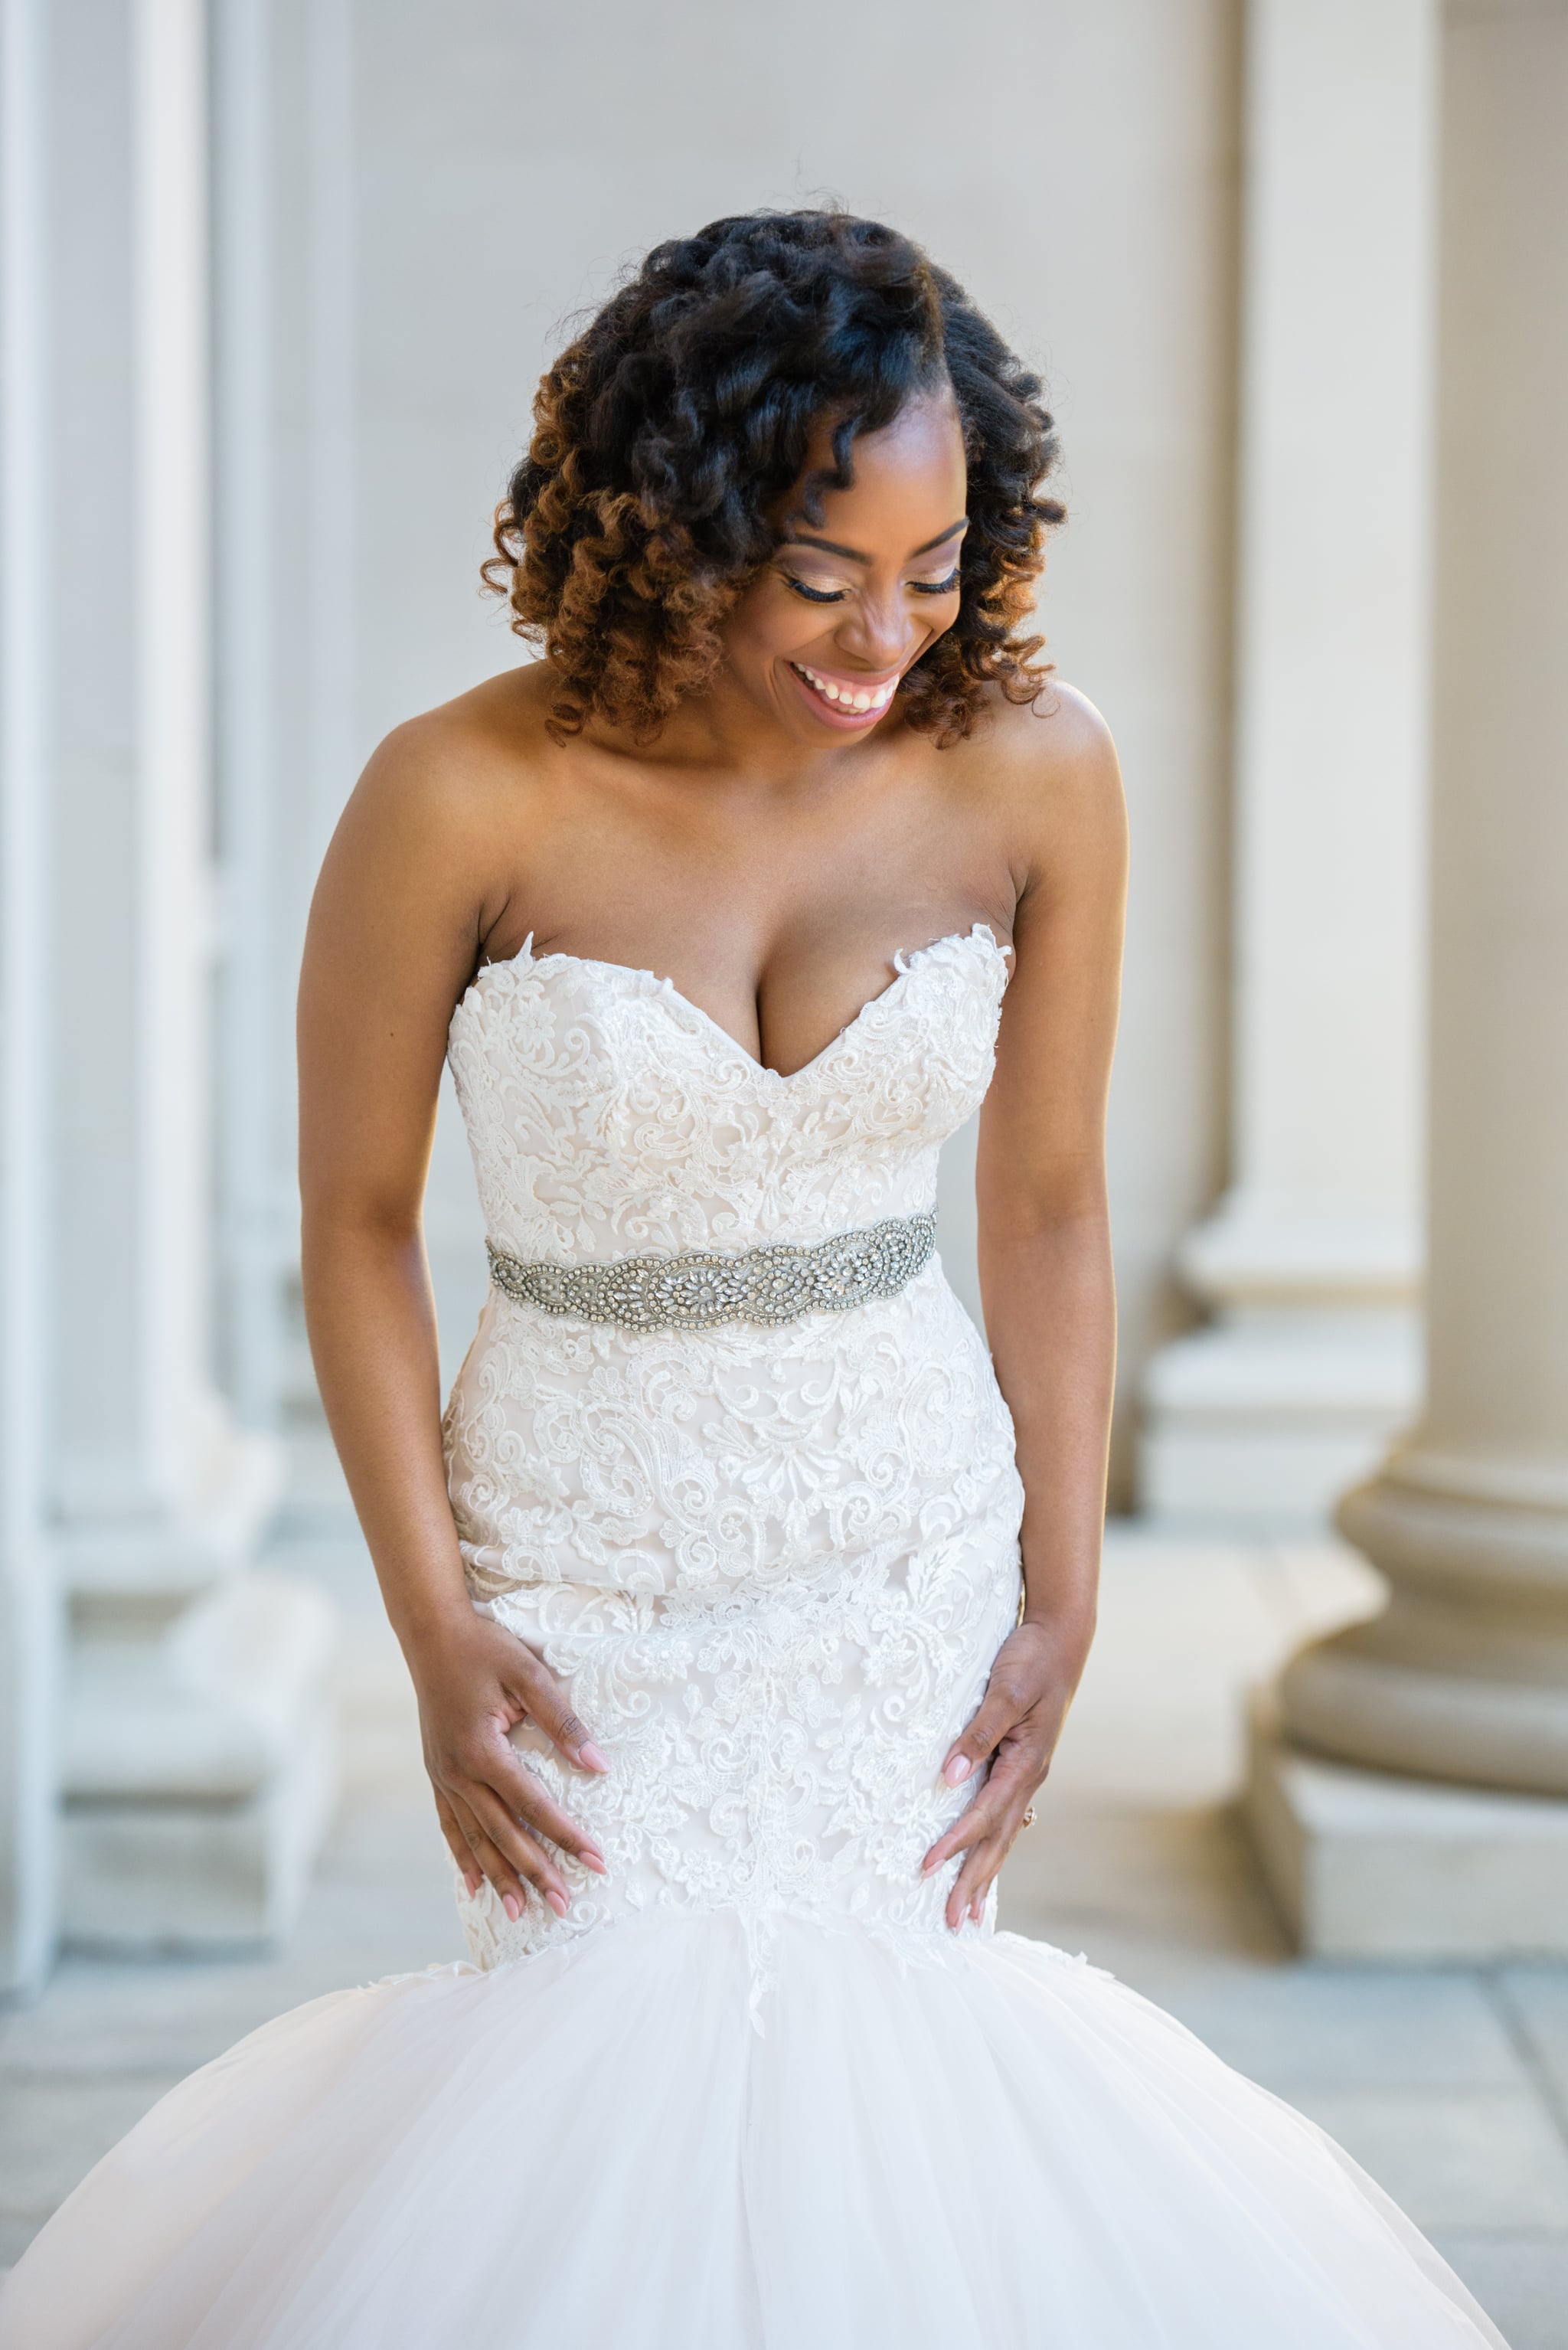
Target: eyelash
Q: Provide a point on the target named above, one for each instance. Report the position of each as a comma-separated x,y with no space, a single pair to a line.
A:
836,595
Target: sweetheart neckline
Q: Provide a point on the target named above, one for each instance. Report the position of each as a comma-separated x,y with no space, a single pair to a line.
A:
903,961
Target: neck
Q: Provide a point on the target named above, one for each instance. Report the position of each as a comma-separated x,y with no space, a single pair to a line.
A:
724,728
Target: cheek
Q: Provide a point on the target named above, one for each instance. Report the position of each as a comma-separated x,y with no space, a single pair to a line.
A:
769,624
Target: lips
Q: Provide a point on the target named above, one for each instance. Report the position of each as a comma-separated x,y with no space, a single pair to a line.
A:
843,696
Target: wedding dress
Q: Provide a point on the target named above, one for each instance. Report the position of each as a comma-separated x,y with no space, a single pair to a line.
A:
751,2092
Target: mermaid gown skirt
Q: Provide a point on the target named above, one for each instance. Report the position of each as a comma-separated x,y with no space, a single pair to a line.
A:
751,2093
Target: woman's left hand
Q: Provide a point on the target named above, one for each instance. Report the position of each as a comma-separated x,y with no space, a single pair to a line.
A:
1015,1729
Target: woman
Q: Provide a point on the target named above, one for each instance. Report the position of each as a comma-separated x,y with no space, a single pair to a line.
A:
734,1696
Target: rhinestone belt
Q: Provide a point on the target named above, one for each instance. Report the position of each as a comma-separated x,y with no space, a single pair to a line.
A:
694,1292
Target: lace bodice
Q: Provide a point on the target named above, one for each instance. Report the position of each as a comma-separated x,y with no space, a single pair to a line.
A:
775,1563
608,1116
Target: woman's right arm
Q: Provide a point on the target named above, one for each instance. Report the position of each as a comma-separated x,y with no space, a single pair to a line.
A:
395,929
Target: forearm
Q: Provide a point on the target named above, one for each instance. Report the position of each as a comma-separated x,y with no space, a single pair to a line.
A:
371,1323
1050,1310
1050,1314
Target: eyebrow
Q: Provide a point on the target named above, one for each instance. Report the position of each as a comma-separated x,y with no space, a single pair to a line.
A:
853,553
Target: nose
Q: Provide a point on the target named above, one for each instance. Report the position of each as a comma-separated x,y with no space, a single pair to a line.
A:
878,632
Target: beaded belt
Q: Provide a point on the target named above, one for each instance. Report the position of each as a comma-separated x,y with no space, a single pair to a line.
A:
693,1293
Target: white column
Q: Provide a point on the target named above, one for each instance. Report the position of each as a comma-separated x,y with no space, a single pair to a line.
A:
156,1494
1464,1680
1311,1263
28,1606
195,1755
257,1219
312,165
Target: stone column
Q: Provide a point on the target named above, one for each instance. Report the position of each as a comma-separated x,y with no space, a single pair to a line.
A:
1464,1680
1310,1264
256,1191
196,1752
28,1604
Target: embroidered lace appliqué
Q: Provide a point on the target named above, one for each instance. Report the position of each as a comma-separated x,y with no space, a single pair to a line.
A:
776,1563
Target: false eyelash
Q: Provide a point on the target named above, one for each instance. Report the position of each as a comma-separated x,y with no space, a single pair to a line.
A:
836,595
814,595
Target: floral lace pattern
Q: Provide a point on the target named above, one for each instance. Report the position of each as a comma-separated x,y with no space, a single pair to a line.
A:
775,1563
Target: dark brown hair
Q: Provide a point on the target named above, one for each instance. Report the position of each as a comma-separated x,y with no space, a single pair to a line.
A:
667,433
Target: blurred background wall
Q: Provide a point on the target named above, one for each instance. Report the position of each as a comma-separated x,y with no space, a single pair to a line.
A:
280,276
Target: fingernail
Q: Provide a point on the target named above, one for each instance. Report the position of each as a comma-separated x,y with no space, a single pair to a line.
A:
926,1866
589,1756
513,1906
957,1770
595,1861
557,1902
471,1885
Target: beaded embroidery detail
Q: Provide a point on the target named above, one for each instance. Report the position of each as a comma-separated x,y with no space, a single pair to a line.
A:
701,1290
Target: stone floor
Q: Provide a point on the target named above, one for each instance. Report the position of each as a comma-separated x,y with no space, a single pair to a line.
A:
1450,2085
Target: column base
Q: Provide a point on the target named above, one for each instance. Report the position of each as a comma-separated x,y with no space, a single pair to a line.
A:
1258,1423
1364,1864
127,1574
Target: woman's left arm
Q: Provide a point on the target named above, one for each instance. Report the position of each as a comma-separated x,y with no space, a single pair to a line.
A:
1046,1262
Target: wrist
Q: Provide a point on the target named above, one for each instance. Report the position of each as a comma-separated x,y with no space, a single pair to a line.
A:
434,1625
1070,1634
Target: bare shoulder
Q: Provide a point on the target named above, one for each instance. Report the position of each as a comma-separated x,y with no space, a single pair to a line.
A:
1055,762
1048,769
417,871
441,790
449,765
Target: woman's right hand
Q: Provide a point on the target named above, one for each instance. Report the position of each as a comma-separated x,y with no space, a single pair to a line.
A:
475,1682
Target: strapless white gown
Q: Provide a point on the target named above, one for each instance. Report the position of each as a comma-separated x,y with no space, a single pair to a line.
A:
751,2093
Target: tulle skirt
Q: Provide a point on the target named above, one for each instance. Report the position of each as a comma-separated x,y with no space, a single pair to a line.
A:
612,2145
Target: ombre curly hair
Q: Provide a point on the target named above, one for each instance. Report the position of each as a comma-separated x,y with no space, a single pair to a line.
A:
667,433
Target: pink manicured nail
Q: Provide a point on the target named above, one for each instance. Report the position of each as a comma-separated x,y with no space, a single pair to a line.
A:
473,1885
957,1770
557,1902
589,1756
595,1861
513,1906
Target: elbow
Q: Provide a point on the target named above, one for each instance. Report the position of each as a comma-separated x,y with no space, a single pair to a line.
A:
334,1217
1079,1218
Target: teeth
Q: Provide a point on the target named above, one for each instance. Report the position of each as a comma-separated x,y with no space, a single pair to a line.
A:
848,697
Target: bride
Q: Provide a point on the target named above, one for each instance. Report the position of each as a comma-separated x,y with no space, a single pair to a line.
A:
744,1594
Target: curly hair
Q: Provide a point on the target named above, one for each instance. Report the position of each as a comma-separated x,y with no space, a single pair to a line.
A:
667,433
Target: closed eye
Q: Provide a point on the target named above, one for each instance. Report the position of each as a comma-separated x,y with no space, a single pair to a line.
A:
836,595
814,595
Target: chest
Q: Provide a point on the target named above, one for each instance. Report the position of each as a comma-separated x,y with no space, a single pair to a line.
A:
776,920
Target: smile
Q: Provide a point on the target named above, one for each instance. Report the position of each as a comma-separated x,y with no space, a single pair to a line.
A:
850,700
